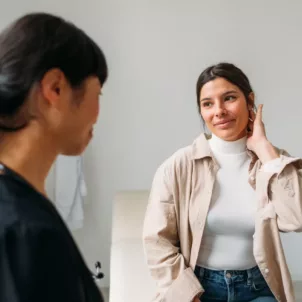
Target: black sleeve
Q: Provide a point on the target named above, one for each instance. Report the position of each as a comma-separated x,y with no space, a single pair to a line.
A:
37,265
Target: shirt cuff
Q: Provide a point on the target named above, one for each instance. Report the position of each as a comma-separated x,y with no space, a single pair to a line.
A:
274,165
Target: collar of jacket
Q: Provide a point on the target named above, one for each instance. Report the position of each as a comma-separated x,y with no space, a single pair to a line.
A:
201,149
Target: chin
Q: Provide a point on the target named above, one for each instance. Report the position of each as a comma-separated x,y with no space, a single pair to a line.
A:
74,150
76,147
229,135
73,153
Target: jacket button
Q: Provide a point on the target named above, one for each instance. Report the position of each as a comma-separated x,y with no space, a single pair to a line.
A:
266,271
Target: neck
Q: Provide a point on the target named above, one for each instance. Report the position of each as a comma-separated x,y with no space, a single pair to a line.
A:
30,153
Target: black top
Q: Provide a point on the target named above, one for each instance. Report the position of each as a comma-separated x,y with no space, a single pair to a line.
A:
39,260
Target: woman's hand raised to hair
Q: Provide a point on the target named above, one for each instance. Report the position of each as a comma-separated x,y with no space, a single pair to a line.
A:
257,140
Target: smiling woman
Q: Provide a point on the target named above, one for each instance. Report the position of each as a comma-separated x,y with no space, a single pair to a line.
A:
224,98
216,207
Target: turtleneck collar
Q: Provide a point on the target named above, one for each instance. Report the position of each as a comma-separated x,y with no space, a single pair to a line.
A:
227,147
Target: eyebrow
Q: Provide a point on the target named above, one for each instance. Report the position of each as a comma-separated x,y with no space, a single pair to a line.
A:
225,93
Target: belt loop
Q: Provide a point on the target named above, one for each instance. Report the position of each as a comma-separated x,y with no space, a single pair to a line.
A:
249,277
200,272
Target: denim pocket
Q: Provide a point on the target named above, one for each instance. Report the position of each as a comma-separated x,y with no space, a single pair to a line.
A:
259,284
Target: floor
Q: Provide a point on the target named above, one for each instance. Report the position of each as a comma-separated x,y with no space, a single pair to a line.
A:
298,288
105,292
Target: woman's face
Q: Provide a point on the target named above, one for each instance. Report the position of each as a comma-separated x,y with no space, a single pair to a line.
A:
80,116
224,109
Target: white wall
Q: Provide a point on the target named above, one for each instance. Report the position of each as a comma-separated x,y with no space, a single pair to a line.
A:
156,50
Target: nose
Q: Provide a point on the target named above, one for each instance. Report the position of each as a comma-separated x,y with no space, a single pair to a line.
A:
220,111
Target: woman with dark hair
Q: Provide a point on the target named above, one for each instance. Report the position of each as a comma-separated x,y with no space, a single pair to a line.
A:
217,206
51,76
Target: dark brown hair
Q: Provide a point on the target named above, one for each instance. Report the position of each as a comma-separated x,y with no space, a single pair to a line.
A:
227,71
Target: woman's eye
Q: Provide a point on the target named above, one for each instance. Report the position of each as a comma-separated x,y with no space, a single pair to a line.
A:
207,104
230,98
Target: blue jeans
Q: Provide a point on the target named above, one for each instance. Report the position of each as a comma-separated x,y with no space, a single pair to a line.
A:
234,286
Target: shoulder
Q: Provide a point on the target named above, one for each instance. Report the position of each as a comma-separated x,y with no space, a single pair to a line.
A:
181,162
29,231
28,244
21,205
285,155
40,261
185,156
180,159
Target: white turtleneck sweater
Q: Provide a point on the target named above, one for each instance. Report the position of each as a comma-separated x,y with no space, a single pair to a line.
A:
227,242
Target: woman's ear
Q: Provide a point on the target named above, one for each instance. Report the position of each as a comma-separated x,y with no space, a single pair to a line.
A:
251,101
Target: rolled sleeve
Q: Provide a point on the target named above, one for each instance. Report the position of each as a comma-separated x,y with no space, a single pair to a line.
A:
280,181
273,166
278,164
185,288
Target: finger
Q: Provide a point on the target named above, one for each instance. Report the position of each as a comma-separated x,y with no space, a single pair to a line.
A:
258,117
251,125
252,115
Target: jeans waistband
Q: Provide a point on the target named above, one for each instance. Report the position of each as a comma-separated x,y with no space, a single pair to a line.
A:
240,275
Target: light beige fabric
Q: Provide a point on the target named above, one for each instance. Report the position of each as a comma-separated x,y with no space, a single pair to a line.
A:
177,210
130,280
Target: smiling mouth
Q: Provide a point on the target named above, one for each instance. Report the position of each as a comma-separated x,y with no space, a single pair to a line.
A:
223,123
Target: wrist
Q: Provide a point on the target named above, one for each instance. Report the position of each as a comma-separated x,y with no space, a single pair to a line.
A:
266,151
